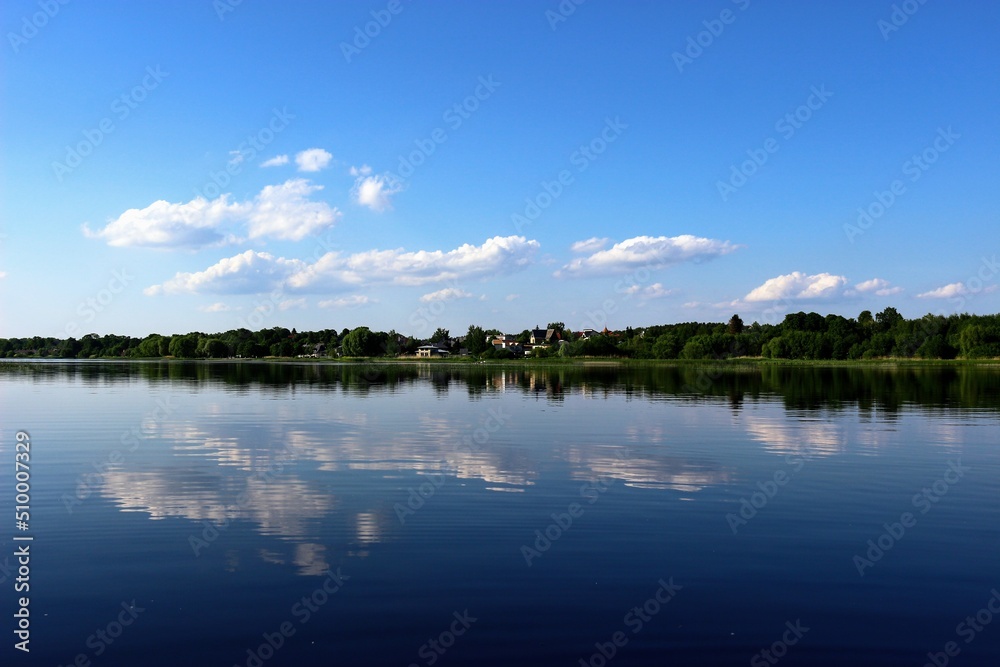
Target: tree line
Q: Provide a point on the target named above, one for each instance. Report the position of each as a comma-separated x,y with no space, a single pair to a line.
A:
799,336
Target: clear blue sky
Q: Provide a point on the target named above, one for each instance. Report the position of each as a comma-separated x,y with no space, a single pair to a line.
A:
121,119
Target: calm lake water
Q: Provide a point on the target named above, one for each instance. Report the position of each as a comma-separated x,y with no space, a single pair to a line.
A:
253,514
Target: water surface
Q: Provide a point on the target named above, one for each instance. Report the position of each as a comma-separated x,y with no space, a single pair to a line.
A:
545,504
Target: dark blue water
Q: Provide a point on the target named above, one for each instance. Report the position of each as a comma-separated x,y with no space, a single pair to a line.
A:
218,514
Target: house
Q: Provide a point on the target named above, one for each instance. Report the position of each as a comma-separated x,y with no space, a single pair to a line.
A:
539,336
427,351
586,333
503,342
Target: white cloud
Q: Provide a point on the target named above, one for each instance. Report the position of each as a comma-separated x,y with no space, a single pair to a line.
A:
374,192
496,256
656,291
956,289
254,272
288,304
278,211
798,285
649,252
593,244
218,307
276,161
948,291
877,285
446,294
3,274
162,224
363,170
236,157
285,212
347,301
511,297
313,159
247,273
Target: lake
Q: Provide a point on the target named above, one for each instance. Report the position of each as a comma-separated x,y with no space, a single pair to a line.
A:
405,514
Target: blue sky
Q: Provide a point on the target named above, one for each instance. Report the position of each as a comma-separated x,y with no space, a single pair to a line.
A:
178,166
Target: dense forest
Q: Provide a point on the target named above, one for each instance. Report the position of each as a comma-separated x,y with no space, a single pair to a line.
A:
799,336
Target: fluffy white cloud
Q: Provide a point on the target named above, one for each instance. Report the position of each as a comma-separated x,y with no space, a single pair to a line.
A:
374,192
346,301
652,252
217,307
496,256
446,294
288,304
162,224
950,290
363,170
276,161
593,244
877,285
654,291
285,212
247,273
257,272
313,159
278,211
798,285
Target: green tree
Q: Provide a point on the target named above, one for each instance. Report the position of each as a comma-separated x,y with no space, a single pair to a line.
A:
888,318
735,325
475,340
150,346
362,342
440,335
184,347
216,349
